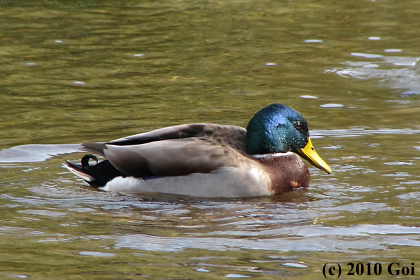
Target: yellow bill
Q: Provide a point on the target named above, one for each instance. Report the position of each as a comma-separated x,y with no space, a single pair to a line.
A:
309,153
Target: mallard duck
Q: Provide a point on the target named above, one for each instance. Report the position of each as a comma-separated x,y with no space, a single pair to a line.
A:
208,160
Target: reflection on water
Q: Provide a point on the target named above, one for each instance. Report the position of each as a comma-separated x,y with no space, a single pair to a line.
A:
395,72
252,224
34,153
315,238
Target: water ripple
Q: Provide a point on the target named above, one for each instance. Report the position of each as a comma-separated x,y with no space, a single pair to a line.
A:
318,238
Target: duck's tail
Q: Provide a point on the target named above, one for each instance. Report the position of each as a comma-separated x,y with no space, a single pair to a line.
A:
96,175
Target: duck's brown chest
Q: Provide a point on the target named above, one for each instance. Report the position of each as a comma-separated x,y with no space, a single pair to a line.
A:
287,171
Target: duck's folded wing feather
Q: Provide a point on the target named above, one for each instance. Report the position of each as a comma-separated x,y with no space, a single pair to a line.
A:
233,136
172,157
97,148
172,132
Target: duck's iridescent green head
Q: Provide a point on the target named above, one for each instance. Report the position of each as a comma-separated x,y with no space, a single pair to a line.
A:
278,129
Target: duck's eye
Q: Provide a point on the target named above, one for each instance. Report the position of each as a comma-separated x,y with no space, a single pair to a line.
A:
298,125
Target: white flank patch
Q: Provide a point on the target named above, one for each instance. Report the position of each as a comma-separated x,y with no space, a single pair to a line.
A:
123,184
224,182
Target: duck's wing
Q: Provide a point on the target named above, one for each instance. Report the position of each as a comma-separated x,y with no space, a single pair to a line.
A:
231,134
177,150
171,132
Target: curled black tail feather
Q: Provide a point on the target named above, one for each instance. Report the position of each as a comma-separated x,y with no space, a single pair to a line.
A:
96,175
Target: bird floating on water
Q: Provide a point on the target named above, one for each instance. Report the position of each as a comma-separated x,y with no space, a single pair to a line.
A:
208,160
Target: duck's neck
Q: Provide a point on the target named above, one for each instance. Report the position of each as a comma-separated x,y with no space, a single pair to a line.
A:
287,171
